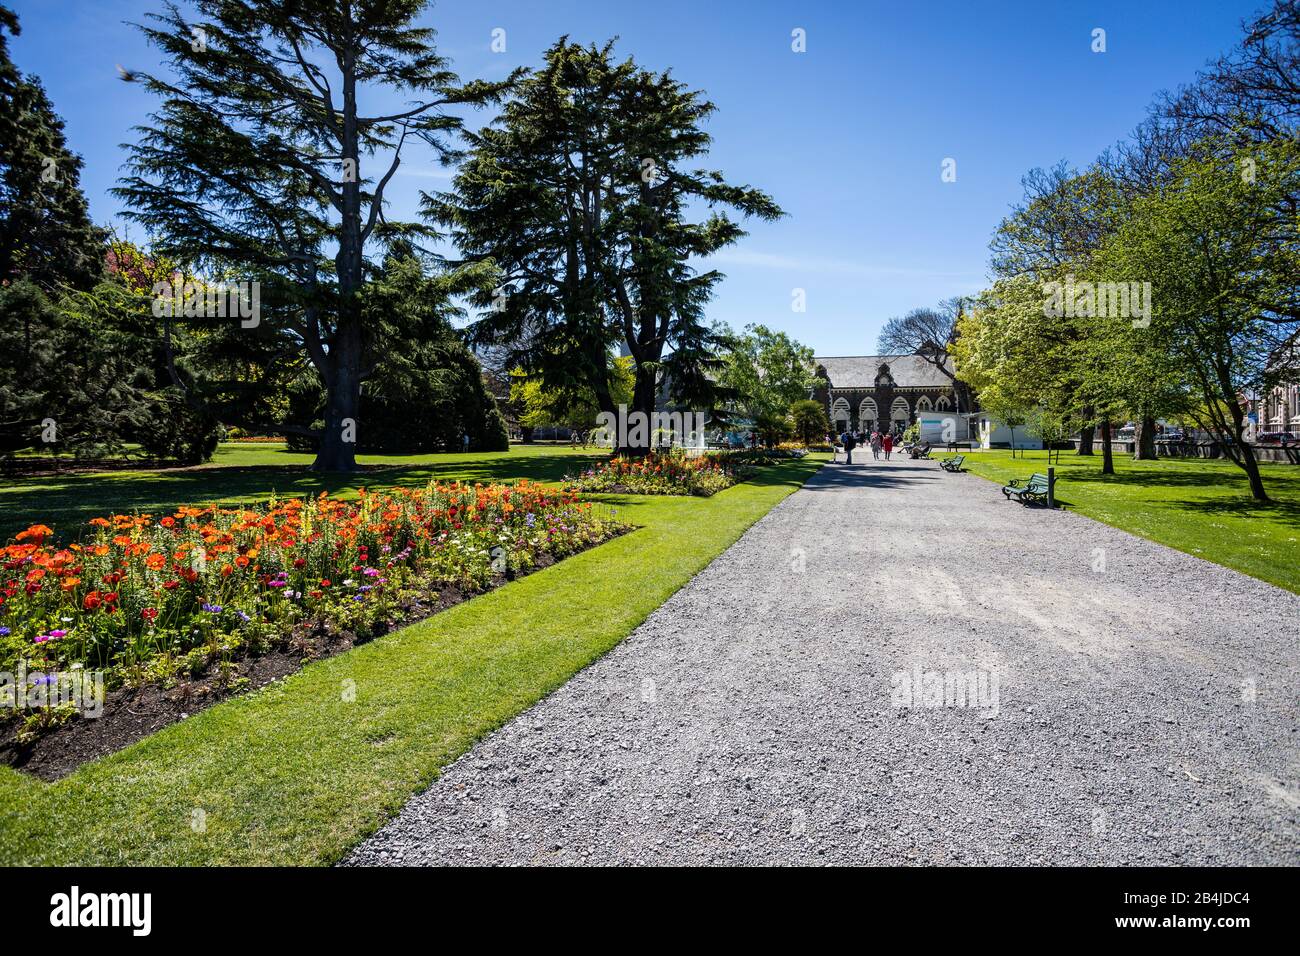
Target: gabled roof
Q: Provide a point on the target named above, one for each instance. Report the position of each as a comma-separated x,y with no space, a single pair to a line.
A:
859,371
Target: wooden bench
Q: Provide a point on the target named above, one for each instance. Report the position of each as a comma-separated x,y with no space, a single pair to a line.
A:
952,464
1035,489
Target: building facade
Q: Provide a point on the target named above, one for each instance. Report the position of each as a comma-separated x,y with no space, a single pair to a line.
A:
888,392
1279,410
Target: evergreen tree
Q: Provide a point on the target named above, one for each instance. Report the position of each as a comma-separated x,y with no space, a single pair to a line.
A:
258,163
45,230
580,194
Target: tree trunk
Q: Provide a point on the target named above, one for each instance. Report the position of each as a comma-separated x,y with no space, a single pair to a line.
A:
1107,457
1144,444
1086,432
338,448
1244,454
338,441
644,398
1251,467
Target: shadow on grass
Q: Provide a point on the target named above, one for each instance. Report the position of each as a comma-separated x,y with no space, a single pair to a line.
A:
1161,479
67,502
1284,512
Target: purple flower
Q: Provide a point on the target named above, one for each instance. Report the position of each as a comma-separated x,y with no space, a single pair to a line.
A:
4,632
212,608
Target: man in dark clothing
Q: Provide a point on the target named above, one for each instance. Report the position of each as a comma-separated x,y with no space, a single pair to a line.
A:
850,442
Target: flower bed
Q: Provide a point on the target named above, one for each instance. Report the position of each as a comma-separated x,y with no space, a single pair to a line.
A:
662,473
154,601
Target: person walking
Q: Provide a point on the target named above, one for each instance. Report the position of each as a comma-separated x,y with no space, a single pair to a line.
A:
888,444
875,445
850,442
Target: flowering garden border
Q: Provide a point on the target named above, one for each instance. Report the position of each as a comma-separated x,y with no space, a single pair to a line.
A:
208,603
663,473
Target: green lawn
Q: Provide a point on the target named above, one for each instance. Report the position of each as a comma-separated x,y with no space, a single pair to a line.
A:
1202,507
296,773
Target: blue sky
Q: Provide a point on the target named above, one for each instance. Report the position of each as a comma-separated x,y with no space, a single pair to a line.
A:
849,136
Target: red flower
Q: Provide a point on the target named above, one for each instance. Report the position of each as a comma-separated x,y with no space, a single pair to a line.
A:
149,613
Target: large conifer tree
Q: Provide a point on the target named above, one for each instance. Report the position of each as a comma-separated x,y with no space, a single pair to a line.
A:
582,196
259,162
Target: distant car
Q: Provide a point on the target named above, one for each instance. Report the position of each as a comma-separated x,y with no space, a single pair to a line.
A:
1278,438
1171,436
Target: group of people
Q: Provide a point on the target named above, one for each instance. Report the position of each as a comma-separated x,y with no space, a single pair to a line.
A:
878,440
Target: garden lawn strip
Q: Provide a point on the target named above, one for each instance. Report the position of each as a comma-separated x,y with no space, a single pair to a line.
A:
1198,506
301,770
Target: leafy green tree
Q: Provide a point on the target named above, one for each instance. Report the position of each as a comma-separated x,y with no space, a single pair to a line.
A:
766,372
45,230
258,162
541,407
1053,237
1224,267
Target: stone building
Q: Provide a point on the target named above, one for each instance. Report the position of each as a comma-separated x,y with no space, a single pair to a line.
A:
1279,410
865,392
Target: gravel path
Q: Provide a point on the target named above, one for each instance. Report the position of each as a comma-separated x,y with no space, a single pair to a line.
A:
1133,705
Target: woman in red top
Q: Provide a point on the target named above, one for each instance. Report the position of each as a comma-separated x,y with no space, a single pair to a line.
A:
889,445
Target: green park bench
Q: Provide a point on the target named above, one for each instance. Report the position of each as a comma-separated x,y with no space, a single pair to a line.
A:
952,464
1035,489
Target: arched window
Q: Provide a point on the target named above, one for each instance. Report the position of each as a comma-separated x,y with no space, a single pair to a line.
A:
867,413
899,411
942,405
840,413
923,404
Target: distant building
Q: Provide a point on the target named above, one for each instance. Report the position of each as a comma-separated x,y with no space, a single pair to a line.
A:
890,392
1279,409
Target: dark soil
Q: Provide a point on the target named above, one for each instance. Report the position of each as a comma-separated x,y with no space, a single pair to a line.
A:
133,713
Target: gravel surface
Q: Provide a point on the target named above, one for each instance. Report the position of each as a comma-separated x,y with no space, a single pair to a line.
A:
1144,710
